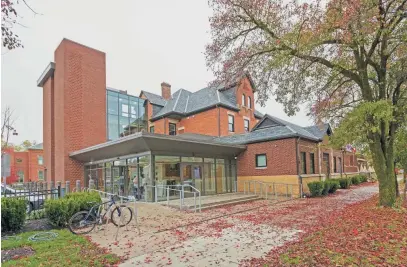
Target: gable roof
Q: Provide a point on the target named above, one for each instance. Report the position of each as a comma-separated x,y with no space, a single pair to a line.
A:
271,128
184,102
154,99
37,147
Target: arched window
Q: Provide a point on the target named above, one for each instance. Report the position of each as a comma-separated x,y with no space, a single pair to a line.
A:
249,102
243,100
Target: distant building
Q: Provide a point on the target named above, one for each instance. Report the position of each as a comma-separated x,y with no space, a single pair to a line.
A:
26,166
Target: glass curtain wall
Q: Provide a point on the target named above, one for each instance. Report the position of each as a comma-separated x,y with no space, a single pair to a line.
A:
125,114
131,177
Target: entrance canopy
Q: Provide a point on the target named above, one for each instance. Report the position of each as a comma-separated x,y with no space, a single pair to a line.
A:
157,143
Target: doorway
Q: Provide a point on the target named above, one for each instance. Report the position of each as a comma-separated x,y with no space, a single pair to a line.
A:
192,174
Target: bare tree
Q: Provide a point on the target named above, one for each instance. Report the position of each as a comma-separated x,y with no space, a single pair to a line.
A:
7,129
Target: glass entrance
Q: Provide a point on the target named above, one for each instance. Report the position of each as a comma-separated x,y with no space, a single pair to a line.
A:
192,175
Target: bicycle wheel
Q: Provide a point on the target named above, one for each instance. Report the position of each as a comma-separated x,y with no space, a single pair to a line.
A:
121,215
81,223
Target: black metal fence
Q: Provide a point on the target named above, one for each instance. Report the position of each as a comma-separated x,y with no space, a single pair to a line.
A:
35,195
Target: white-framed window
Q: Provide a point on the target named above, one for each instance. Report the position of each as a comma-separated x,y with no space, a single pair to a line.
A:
20,175
243,100
172,129
249,102
40,160
40,175
246,125
231,123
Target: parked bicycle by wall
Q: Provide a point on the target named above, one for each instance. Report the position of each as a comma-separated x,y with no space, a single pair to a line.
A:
84,222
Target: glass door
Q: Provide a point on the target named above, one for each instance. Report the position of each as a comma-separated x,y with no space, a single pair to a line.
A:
192,175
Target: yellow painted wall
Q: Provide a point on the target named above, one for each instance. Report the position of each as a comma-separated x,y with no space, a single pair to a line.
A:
280,182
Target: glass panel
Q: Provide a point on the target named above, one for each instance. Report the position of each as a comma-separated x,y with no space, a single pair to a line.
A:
167,175
209,179
145,178
211,160
141,118
191,159
221,161
124,126
261,161
108,177
120,162
220,178
134,108
167,159
41,175
113,127
112,104
192,175
172,129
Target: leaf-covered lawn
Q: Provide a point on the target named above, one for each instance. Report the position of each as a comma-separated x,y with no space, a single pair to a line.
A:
65,250
361,235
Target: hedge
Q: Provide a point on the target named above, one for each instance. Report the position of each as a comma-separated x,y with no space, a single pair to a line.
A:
59,211
13,212
333,185
356,180
316,188
345,183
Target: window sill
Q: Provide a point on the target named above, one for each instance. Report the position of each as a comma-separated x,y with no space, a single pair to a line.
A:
261,168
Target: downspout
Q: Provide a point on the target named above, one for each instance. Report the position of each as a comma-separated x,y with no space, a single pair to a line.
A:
218,120
297,160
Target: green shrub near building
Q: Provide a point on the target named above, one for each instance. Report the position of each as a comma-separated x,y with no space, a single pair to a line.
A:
13,212
356,180
316,188
345,183
59,211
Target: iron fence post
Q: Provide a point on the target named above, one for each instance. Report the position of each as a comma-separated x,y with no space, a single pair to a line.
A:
195,201
59,191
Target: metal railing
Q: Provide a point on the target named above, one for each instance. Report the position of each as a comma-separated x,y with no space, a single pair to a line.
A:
268,190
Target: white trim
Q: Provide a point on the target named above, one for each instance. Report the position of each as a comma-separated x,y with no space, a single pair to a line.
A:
231,113
246,118
181,128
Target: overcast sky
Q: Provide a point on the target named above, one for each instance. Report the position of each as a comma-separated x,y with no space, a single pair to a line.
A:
146,42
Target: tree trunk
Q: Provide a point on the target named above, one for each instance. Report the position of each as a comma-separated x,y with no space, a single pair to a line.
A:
397,185
384,167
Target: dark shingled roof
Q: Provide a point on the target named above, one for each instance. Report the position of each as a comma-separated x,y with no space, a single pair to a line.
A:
273,128
319,130
154,99
184,102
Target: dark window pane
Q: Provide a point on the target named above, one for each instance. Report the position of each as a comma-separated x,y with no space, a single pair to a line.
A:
249,102
231,123
303,163
312,162
113,126
124,126
172,129
151,129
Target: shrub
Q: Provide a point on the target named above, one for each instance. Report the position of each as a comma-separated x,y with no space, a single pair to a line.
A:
363,178
333,186
355,180
326,188
345,183
316,188
59,211
13,212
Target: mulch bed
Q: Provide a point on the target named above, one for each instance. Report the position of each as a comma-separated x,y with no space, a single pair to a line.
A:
16,253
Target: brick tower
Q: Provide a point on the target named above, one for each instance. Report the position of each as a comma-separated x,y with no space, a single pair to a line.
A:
74,107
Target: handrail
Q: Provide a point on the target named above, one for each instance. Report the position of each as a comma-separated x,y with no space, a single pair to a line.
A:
196,191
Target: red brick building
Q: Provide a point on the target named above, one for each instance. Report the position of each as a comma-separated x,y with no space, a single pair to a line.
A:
212,138
26,166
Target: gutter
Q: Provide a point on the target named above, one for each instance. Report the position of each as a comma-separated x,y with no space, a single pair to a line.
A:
297,153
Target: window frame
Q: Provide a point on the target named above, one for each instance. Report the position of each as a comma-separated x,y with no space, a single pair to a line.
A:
169,128
40,171
151,127
243,100
303,161
312,162
42,160
231,123
249,101
248,125
334,163
257,160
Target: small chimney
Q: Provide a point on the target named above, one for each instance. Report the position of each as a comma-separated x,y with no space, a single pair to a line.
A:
166,90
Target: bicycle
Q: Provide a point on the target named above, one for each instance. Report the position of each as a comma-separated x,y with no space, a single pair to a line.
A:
88,219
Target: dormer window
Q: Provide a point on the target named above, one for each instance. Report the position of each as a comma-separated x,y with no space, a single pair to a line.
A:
243,100
249,102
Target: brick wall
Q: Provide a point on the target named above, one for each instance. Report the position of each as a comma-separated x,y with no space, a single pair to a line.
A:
309,147
21,163
34,166
202,123
79,105
281,157
48,129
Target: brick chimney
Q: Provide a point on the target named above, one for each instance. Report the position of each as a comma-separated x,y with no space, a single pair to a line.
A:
166,90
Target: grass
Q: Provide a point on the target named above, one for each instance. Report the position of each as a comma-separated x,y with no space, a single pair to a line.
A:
65,250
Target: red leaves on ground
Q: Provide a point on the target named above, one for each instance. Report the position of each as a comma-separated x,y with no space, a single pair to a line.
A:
361,234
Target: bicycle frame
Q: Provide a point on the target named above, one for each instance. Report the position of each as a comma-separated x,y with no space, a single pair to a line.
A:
111,203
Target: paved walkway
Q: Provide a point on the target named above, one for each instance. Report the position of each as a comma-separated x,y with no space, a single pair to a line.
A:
171,237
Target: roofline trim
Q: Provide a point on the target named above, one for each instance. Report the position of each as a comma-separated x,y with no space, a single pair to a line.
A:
48,72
